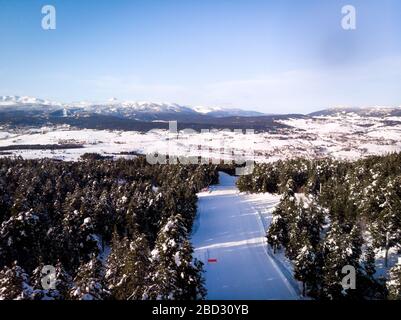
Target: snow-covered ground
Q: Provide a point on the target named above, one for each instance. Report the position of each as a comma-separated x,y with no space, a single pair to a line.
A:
230,230
342,137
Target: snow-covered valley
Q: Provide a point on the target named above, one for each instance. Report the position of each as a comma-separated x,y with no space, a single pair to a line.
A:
342,136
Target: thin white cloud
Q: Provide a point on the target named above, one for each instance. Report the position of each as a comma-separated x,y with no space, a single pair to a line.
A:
302,90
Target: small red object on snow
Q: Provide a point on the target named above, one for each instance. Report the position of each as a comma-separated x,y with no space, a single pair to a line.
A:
212,260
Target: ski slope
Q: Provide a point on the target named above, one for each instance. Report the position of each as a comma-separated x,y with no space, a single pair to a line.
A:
229,238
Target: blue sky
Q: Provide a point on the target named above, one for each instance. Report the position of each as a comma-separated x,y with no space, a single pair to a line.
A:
273,56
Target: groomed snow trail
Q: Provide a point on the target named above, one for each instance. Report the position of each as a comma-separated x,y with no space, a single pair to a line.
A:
229,238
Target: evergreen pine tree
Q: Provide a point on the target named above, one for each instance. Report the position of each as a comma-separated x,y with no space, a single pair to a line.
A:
370,262
306,268
173,275
386,229
15,284
127,267
190,274
89,283
394,282
278,234
62,285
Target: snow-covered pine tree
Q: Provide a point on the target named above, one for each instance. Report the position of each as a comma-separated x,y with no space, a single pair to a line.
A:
278,234
15,283
394,282
304,247
190,274
171,264
244,183
316,218
386,229
4,200
89,283
20,238
306,267
103,216
370,261
63,284
313,184
298,225
341,248
127,267
78,230
334,261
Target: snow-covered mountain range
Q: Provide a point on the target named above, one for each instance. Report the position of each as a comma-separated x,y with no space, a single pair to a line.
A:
142,110
148,110
373,111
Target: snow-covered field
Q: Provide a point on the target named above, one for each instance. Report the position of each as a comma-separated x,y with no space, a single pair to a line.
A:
230,232
343,137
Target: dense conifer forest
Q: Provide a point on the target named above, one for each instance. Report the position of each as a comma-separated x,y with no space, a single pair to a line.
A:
334,214
111,229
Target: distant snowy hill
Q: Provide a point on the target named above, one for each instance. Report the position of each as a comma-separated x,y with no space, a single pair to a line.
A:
226,112
377,111
24,101
146,111
16,100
